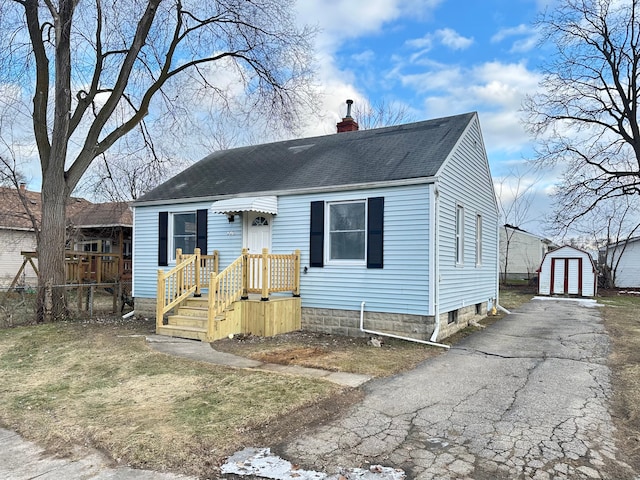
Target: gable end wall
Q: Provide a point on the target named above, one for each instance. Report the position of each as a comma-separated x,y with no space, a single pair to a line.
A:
465,180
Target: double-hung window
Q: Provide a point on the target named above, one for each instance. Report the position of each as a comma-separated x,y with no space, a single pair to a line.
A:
347,231
478,240
184,232
459,234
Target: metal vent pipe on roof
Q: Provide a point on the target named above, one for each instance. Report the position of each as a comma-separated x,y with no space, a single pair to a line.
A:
349,103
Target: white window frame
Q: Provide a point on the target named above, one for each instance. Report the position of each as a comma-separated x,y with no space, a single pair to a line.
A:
478,240
327,234
459,234
170,232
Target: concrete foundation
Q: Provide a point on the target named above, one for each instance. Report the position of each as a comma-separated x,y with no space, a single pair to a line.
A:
347,322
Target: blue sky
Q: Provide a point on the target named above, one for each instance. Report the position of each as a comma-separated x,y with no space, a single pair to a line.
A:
439,58
435,57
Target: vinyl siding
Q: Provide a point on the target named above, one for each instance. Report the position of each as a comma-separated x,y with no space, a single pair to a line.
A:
221,235
628,270
525,252
12,242
465,180
400,287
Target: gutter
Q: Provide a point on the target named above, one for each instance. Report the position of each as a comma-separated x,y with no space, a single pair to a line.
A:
300,191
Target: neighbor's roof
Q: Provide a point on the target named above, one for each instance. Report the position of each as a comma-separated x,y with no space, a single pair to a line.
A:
14,215
410,151
110,214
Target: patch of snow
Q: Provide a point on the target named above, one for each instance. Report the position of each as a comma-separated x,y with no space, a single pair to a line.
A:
260,462
585,302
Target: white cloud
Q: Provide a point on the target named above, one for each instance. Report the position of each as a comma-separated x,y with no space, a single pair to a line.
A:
452,39
526,38
445,36
364,57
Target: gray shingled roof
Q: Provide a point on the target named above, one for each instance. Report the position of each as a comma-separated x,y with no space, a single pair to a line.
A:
413,150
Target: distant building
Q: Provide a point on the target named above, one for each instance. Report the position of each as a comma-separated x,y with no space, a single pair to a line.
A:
521,253
91,227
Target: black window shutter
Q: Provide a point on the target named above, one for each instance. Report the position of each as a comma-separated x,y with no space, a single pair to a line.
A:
316,239
163,222
375,232
201,227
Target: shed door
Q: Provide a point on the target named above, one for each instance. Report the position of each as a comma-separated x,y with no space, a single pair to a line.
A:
558,275
574,286
566,276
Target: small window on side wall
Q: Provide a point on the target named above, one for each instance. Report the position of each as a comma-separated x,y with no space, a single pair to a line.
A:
478,240
459,247
452,317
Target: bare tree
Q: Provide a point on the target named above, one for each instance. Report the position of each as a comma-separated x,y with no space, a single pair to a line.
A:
514,192
99,69
586,116
381,114
608,227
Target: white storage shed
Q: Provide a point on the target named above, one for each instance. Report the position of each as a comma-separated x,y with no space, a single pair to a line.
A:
567,271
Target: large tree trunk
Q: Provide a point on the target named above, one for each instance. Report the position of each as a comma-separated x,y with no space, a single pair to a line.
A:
51,293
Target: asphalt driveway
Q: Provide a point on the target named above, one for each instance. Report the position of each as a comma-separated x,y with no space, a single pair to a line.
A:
525,398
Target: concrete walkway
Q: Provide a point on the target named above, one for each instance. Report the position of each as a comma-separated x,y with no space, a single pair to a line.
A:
527,398
203,352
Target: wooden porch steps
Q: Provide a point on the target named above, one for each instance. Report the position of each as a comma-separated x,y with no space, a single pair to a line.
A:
190,319
183,331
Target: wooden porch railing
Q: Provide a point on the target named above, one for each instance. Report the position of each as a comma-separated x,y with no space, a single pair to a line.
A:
269,273
187,277
224,289
263,273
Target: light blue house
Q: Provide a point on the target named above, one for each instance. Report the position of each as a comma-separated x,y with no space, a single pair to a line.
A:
397,227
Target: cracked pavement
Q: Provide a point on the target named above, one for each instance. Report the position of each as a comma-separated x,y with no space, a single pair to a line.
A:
525,398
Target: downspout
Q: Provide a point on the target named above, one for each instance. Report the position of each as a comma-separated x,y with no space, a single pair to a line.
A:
496,301
399,337
435,245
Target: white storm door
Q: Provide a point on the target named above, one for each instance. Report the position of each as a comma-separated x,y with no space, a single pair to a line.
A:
258,232
258,237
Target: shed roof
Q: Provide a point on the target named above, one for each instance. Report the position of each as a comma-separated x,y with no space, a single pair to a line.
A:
410,151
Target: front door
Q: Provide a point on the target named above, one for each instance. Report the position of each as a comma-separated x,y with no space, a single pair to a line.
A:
258,232
258,237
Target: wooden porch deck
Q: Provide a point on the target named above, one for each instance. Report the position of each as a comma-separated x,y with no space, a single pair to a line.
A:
238,300
254,316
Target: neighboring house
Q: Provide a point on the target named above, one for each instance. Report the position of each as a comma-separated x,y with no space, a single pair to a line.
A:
567,271
623,261
521,253
401,221
99,228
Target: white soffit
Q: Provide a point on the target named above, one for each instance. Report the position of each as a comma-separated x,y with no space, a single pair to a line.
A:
246,204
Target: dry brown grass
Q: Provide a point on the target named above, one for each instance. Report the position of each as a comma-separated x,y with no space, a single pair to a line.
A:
99,385
331,352
623,325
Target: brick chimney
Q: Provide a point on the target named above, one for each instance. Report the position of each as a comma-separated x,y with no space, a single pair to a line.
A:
23,187
348,124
